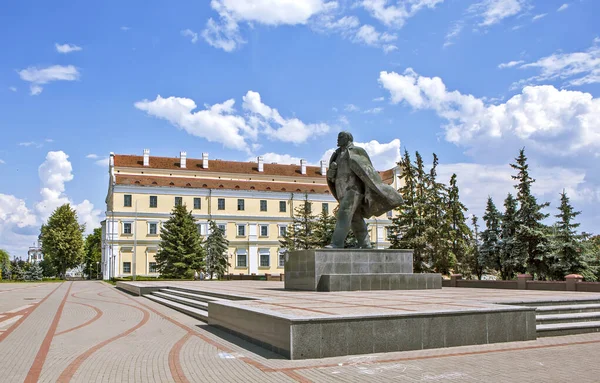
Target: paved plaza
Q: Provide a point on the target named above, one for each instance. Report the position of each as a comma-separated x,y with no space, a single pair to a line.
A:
92,332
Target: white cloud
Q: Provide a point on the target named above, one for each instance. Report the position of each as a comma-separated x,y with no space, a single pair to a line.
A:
539,16
581,67
494,11
453,33
562,7
2,162
367,34
87,215
396,15
53,173
379,99
224,33
28,143
285,159
384,156
12,88
191,34
345,25
50,140
343,120
102,162
554,122
275,126
92,156
351,108
510,64
67,48
39,76
373,110
216,123
124,28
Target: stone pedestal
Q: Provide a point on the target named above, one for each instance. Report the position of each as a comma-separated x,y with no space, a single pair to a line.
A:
355,270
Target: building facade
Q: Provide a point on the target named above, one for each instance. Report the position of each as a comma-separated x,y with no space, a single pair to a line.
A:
252,202
34,254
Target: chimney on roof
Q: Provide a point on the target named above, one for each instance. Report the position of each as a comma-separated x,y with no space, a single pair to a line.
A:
323,168
183,160
261,164
303,166
204,160
146,157
111,159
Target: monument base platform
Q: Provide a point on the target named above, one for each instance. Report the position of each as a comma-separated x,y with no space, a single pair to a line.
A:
384,281
302,336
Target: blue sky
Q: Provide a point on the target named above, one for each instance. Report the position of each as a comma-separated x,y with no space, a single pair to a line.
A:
472,81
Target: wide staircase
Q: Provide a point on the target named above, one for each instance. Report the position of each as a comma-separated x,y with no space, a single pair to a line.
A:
191,302
567,317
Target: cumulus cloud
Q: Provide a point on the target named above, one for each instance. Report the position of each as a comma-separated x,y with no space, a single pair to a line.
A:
396,15
367,34
494,11
39,76
67,48
216,123
384,156
554,122
191,34
275,126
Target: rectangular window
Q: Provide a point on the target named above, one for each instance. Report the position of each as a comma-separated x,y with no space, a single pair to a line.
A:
240,204
178,201
127,228
282,231
221,204
263,205
241,230
264,230
281,259
241,258
264,258
152,228
222,227
282,206
390,213
127,200
153,201
197,203
308,207
126,267
152,267
325,208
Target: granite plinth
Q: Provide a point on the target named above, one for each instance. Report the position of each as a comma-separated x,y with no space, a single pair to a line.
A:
304,268
383,281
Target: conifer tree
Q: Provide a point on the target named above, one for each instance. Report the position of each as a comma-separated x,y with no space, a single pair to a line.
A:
18,274
180,251
460,234
62,239
323,229
532,234
35,272
491,237
300,234
568,247
476,260
512,259
437,229
216,246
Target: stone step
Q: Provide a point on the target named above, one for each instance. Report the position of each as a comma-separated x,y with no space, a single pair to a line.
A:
188,310
194,296
184,301
568,318
558,329
211,294
560,303
566,309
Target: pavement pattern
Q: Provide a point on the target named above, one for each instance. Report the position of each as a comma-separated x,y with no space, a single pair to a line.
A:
91,332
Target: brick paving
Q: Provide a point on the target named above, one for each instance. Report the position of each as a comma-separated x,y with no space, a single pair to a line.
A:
90,332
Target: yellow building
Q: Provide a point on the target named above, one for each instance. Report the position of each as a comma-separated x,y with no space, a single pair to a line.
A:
252,202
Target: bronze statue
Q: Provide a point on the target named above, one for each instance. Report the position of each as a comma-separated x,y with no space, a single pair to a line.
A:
359,190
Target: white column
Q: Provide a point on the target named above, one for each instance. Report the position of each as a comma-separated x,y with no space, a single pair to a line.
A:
380,236
253,248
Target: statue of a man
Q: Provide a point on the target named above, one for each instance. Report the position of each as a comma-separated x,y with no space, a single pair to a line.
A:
359,190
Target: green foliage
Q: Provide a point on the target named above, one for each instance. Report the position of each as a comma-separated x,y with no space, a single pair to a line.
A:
491,237
93,253
48,269
216,246
510,255
323,230
34,273
180,251
300,234
4,265
460,235
476,261
62,239
532,235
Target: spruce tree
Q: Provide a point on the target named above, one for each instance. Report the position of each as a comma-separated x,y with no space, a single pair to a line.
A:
216,246
180,252
491,237
460,234
512,259
35,272
532,234
323,229
476,259
18,274
568,247
62,239
300,234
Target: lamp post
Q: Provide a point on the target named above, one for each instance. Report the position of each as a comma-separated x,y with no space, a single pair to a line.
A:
97,266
